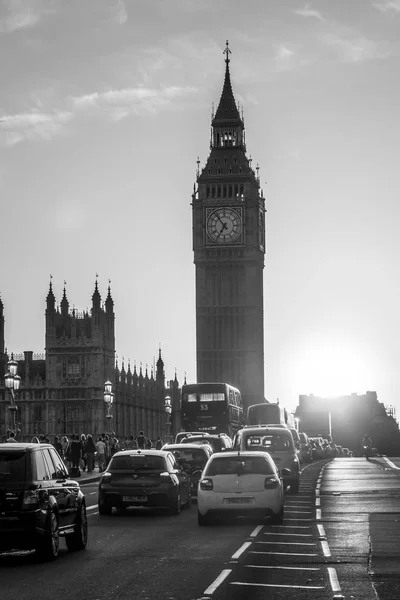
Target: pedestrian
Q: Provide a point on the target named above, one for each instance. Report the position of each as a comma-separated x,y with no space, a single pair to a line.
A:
90,449
57,445
101,453
159,443
141,440
149,444
83,456
65,445
11,438
76,451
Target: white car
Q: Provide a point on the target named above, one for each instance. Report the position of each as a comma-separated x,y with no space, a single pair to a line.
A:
240,484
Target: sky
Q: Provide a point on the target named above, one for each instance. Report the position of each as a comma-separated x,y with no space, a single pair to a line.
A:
105,106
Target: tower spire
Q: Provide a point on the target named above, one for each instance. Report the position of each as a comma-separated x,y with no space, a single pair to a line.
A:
227,110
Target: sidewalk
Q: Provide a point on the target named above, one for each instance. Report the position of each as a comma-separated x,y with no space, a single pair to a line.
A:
89,477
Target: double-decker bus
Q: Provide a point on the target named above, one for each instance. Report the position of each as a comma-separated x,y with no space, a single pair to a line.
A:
212,407
270,413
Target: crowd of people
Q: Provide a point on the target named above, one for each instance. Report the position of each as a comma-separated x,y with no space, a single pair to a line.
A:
85,451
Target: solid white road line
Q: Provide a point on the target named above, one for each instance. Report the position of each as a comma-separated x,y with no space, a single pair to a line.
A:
288,568
298,512
220,579
291,534
333,579
293,526
256,531
242,549
289,543
272,585
283,553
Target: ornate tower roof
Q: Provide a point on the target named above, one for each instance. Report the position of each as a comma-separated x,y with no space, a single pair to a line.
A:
227,111
50,300
64,304
109,301
96,298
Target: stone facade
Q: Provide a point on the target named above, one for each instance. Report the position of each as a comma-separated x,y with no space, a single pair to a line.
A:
62,390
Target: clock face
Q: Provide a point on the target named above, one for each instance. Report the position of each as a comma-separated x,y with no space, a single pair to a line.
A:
224,226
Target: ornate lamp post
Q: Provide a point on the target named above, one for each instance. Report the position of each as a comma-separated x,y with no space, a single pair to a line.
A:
12,382
108,399
168,411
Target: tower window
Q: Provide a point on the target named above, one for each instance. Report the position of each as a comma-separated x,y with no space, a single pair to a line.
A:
219,191
213,191
241,189
225,160
236,190
219,171
224,191
208,191
230,189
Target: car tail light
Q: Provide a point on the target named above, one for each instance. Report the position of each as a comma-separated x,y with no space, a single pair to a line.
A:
271,483
106,478
165,476
31,498
206,484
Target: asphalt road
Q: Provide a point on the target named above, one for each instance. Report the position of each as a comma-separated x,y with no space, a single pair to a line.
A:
341,536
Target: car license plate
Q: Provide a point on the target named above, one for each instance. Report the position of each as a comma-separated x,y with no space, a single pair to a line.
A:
134,498
238,500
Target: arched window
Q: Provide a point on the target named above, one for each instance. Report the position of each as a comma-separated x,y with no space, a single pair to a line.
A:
219,191
213,191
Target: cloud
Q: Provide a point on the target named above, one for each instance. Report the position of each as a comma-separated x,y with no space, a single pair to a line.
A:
355,48
124,102
23,14
34,125
121,16
283,52
308,12
388,6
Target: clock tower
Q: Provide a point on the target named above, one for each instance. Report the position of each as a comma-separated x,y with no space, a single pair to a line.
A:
229,247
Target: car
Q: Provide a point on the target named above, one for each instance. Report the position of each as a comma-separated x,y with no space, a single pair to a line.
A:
39,502
192,458
305,448
278,442
183,434
151,478
217,441
240,484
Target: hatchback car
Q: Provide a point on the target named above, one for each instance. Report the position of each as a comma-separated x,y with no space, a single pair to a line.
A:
38,501
192,458
149,478
278,442
240,484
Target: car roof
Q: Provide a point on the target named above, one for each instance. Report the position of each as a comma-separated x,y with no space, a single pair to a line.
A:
245,453
140,451
170,447
24,446
258,429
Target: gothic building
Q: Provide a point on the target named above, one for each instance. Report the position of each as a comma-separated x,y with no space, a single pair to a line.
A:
62,390
229,247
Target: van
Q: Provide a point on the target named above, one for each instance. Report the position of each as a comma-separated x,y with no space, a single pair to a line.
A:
278,442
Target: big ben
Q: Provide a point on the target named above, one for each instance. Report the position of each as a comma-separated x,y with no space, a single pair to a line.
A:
229,247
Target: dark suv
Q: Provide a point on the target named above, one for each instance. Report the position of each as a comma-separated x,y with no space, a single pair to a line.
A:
38,501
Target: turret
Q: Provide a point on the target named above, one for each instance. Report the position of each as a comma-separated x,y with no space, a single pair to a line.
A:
1,328
64,304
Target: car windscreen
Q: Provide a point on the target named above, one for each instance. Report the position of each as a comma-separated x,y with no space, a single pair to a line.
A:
195,458
137,462
270,442
12,466
243,465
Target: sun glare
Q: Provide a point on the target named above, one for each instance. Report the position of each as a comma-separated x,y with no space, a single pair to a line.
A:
331,365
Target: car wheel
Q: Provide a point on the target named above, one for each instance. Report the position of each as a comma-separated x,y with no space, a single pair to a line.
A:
104,508
203,519
78,539
277,519
49,545
175,506
295,485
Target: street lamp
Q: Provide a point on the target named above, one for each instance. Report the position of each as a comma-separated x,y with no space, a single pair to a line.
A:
108,399
12,381
168,411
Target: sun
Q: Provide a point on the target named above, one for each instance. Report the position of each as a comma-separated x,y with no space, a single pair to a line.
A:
331,364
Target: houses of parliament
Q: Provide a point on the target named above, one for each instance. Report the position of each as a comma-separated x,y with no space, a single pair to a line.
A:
61,391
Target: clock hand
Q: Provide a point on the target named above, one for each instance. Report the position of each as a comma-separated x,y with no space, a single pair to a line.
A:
224,226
